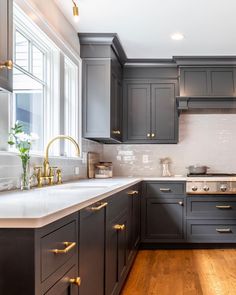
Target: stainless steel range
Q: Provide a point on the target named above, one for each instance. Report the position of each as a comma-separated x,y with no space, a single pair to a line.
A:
216,183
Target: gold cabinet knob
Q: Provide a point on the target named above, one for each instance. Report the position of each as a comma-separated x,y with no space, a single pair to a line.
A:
75,281
132,193
116,132
181,203
8,64
148,135
153,135
119,226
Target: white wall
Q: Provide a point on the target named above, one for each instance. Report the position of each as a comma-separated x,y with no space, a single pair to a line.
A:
208,139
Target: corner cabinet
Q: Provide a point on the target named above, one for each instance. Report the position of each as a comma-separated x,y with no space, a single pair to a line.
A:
6,44
150,114
103,59
102,100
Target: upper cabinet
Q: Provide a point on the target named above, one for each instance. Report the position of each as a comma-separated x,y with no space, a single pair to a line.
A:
207,81
6,44
150,114
207,76
102,87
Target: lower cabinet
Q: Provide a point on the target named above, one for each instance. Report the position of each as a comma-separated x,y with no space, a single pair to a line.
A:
211,219
64,285
92,249
89,252
163,212
164,219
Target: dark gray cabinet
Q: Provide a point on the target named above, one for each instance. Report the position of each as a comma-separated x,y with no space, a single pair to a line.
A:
116,243
92,249
43,260
102,100
102,87
6,44
207,81
211,219
163,212
164,219
150,112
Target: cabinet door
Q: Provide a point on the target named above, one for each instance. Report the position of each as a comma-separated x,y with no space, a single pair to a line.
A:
136,220
116,252
133,230
63,286
92,249
164,219
138,112
164,114
116,107
96,98
6,43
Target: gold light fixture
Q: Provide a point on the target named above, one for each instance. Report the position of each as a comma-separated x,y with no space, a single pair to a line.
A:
75,11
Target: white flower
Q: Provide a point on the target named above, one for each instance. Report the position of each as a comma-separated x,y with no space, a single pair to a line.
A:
23,136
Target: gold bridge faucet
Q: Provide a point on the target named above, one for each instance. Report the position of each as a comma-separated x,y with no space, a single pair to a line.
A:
47,175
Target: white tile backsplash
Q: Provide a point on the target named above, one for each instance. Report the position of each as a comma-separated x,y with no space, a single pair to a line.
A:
208,139
10,165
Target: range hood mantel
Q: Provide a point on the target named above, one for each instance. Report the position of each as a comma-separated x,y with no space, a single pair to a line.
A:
205,102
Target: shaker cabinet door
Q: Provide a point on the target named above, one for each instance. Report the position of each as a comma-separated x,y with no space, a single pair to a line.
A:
138,112
163,112
6,44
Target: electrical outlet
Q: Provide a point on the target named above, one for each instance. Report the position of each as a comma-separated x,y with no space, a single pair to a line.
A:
84,158
76,170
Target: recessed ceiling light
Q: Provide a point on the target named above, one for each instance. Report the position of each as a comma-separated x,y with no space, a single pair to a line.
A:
177,36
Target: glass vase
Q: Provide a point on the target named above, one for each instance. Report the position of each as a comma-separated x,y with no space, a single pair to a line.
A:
25,176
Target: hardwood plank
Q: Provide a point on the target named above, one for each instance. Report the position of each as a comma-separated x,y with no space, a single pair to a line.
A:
183,272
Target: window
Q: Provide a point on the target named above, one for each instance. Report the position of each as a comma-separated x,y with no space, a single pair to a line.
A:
36,63
45,85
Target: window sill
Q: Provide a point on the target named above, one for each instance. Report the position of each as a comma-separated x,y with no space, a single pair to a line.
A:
14,154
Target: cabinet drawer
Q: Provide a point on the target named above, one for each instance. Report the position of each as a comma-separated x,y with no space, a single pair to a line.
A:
64,286
164,189
51,246
211,207
211,231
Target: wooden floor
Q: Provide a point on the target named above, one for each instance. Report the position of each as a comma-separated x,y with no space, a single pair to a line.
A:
188,272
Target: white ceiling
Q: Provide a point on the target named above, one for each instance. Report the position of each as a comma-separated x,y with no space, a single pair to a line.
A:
144,27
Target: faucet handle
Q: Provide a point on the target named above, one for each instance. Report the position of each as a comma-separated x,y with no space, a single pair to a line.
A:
38,170
59,176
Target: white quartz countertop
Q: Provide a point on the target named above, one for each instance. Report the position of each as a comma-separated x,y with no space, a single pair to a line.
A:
39,207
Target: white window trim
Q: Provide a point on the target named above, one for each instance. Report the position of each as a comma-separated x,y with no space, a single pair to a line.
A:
30,10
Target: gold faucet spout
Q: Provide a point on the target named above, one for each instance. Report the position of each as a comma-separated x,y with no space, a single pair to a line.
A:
48,173
59,137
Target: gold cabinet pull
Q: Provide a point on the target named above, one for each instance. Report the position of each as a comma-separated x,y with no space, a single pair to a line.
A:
68,245
181,203
119,226
223,207
116,132
8,64
75,281
165,190
148,135
99,207
132,193
223,230
153,135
